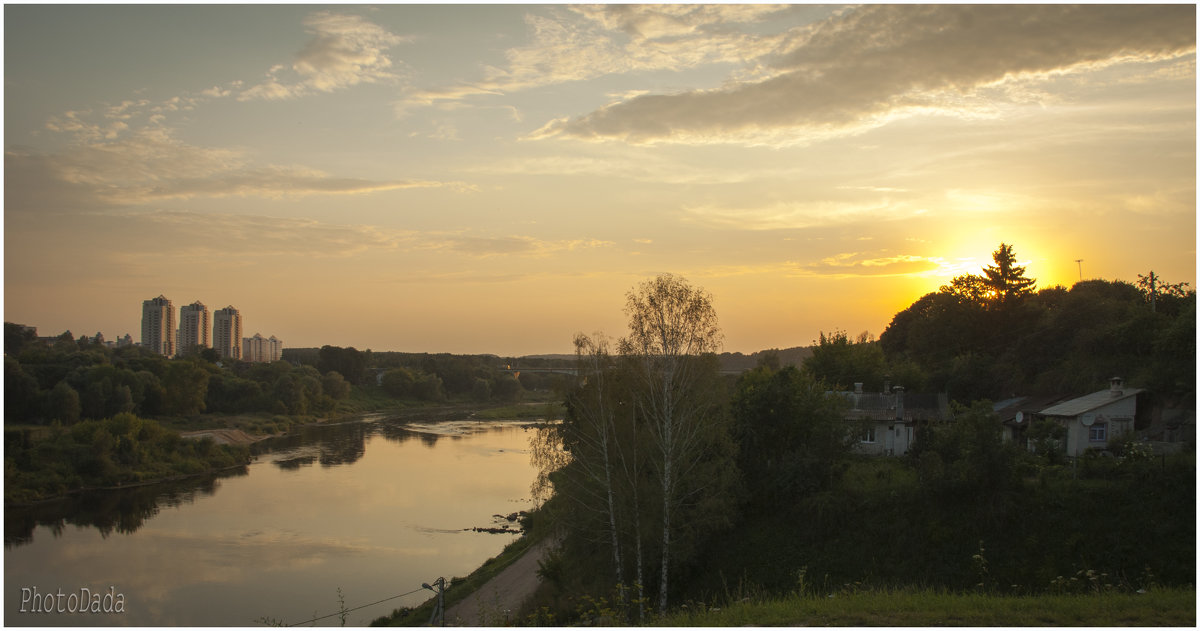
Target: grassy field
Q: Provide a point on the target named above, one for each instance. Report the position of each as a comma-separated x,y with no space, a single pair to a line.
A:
915,608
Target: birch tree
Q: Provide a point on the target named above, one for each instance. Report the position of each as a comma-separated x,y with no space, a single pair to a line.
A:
671,326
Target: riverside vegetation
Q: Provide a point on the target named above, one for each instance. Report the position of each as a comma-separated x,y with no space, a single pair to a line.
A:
79,415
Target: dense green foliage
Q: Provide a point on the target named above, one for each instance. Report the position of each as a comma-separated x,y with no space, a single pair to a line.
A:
428,377
963,511
977,338
792,439
69,381
117,451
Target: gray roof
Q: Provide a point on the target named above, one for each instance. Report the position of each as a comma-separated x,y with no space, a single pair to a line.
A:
1008,408
1088,402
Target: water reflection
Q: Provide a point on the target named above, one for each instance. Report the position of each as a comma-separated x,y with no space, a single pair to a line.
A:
122,511
283,539
126,510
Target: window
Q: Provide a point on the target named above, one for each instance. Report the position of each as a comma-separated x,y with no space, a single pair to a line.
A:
868,434
1098,432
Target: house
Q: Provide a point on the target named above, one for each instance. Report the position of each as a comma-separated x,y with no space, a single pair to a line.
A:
1018,414
887,422
1091,420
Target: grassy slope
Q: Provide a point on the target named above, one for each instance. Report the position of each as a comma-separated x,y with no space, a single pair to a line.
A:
905,608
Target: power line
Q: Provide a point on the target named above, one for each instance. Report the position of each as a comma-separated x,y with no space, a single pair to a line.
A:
346,611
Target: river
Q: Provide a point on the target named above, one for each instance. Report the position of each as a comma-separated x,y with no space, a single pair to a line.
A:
374,508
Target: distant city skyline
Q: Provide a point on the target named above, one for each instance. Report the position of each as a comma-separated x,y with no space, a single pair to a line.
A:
495,178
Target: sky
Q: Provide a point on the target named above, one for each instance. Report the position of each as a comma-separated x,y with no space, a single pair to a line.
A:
496,178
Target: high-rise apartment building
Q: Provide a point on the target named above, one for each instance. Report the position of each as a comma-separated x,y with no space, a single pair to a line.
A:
158,326
227,333
261,349
193,327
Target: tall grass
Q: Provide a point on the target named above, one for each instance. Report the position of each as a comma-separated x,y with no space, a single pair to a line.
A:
925,608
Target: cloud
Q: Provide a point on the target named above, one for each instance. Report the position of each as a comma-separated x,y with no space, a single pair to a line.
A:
858,264
206,234
151,165
802,214
585,42
862,68
345,50
511,245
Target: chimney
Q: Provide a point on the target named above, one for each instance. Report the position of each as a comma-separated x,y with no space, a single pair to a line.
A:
1116,386
899,390
887,385
858,387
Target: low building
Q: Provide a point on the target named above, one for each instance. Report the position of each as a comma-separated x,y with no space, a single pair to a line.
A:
1091,420
261,349
887,422
1018,414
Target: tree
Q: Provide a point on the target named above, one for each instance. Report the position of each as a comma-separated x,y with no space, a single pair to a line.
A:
840,362
590,432
349,362
186,385
334,385
64,403
16,337
672,326
792,437
1005,279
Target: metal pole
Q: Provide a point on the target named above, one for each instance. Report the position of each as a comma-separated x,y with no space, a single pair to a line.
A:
440,606
441,583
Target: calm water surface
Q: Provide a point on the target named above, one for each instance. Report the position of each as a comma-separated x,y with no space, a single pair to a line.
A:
374,507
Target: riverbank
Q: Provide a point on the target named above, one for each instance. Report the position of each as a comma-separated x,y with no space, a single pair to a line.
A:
488,596
120,452
44,470
255,427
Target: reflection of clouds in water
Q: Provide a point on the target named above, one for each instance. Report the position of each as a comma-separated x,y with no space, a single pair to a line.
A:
282,539
147,574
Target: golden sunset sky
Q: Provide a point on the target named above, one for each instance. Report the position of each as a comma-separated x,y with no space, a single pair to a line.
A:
493,178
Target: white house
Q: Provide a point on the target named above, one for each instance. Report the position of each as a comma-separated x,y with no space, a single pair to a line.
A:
886,422
1092,419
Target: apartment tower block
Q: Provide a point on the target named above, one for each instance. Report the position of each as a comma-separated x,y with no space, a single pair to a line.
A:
158,326
193,327
227,333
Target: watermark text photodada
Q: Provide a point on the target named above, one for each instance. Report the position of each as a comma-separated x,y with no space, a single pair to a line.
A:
84,600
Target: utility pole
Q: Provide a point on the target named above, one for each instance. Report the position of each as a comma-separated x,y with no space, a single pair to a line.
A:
1079,262
440,607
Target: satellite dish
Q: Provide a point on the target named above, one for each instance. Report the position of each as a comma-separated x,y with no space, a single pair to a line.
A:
1020,417
1087,419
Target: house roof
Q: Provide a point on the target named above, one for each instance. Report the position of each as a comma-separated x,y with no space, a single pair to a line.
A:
877,406
1089,402
1008,408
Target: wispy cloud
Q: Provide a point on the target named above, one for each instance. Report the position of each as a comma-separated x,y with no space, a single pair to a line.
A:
524,246
797,215
865,67
861,264
151,165
345,50
583,42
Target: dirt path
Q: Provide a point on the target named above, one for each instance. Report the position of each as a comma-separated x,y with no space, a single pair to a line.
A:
500,598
